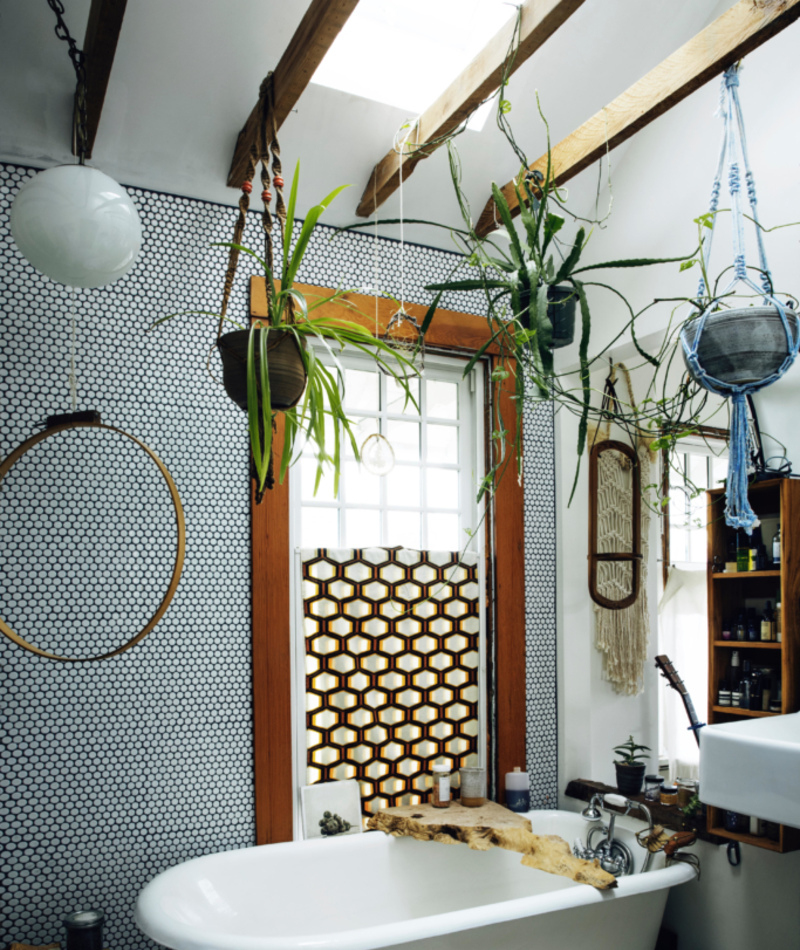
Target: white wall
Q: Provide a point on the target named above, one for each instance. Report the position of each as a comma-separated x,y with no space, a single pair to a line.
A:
662,182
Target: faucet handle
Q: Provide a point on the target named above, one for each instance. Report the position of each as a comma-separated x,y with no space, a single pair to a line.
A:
619,801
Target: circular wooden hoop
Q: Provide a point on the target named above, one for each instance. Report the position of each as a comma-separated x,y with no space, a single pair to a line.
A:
180,521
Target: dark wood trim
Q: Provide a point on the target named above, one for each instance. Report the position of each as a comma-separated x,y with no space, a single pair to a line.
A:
271,568
272,686
99,48
509,613
321,24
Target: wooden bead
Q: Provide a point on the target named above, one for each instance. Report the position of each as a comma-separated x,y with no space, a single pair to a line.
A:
278,181
266,196
247,187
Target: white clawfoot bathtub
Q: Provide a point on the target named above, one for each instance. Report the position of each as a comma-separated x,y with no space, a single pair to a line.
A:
365,891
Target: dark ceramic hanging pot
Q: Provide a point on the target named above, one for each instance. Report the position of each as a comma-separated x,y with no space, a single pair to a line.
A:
742,346
561,303
287,372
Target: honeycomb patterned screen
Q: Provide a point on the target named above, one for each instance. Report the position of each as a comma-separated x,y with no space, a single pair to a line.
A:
392,668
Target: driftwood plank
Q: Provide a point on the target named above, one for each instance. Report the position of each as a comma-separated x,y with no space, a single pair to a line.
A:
491,826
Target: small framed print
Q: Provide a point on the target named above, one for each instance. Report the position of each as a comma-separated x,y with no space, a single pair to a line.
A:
331,809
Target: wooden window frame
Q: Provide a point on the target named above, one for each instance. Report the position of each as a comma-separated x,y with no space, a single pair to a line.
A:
458,333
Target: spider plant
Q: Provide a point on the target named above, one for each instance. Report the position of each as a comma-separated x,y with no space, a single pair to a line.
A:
319,418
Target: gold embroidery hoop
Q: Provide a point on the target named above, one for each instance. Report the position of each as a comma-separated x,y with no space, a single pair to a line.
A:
180,521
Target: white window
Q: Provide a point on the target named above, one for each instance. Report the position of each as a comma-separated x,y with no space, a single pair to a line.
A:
696,466
427,502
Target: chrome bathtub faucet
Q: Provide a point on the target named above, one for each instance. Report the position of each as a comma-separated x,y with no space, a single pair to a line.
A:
614,855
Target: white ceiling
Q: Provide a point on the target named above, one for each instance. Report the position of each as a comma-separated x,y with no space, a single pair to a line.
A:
187,73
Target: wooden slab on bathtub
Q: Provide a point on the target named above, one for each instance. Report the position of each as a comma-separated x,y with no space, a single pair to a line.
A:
490,826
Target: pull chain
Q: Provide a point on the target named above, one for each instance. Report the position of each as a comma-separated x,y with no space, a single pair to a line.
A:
73,347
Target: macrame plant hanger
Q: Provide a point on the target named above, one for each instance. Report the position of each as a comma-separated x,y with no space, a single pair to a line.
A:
738,512
263,146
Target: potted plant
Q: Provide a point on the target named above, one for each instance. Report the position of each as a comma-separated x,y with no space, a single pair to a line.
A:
630,771
269,368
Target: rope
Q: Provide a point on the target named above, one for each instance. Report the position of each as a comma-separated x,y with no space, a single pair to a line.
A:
738,512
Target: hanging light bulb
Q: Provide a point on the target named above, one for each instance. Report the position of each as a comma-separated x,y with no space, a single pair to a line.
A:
377,454
77,226
73,223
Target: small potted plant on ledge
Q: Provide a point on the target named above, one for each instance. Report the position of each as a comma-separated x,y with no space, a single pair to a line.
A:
630,771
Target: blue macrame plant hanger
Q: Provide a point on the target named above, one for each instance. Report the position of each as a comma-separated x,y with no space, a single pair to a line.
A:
738,513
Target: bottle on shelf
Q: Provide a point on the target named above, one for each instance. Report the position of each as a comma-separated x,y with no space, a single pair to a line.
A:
726,629
753,553
742,552
768,623
734,678
730,555
744,685
741,628
766,690
754,697
776,548
753,627
778,620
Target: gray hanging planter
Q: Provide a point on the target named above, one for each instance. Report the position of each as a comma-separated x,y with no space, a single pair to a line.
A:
287,373
561,303
743,346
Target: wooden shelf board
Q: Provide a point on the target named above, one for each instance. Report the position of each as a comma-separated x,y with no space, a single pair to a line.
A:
756,840
726,576
749,644
738,711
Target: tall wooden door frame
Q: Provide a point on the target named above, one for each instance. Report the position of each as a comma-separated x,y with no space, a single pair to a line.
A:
272,610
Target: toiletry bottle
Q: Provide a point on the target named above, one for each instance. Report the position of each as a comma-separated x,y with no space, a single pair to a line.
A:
726,629
755,689
753,626
735,679
744,685
742,552
518,794
766,692
776,548
766,622
741,628
752,552
778,621
724,695
440,793
84,930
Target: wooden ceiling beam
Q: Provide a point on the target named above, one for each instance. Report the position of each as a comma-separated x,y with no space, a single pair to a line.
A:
738,31
99,48
321,24
540,19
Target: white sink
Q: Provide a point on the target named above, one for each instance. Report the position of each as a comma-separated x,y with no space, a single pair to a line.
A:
753,767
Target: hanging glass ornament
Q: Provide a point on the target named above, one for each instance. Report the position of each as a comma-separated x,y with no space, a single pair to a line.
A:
377,454
404,335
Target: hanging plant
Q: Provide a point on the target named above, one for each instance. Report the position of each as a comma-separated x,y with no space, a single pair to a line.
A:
268,366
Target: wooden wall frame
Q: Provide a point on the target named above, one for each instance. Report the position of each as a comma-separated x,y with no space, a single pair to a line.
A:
271,560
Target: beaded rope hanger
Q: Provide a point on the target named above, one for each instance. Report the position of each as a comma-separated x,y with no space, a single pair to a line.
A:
738,512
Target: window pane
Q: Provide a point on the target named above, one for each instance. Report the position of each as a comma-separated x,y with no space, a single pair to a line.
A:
402,485
404,529
308,475
443,533
362,428
362,390
698,543
396,396
363,528
319,528
442,443
697,471
719,472
360,486
442,488
442,399
404,438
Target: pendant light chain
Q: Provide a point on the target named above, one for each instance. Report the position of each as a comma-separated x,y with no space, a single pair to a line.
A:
78,62
73,348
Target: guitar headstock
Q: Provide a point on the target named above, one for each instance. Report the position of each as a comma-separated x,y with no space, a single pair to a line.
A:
670,674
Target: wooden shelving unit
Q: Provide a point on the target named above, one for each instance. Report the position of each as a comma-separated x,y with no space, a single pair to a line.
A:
729,594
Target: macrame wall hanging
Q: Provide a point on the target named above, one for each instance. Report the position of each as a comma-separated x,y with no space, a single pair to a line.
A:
736,352
618,544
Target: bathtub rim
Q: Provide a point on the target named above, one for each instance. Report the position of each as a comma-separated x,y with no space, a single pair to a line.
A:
182,936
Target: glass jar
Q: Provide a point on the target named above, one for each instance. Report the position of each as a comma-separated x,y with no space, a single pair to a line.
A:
652,787
473,787
440,793
687,788
669,795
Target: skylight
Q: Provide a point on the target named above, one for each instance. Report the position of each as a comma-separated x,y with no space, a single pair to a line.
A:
405,53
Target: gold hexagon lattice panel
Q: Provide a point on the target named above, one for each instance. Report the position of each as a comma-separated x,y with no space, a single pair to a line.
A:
392,668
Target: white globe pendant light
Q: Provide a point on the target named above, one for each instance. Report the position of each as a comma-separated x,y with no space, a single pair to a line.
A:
77,226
